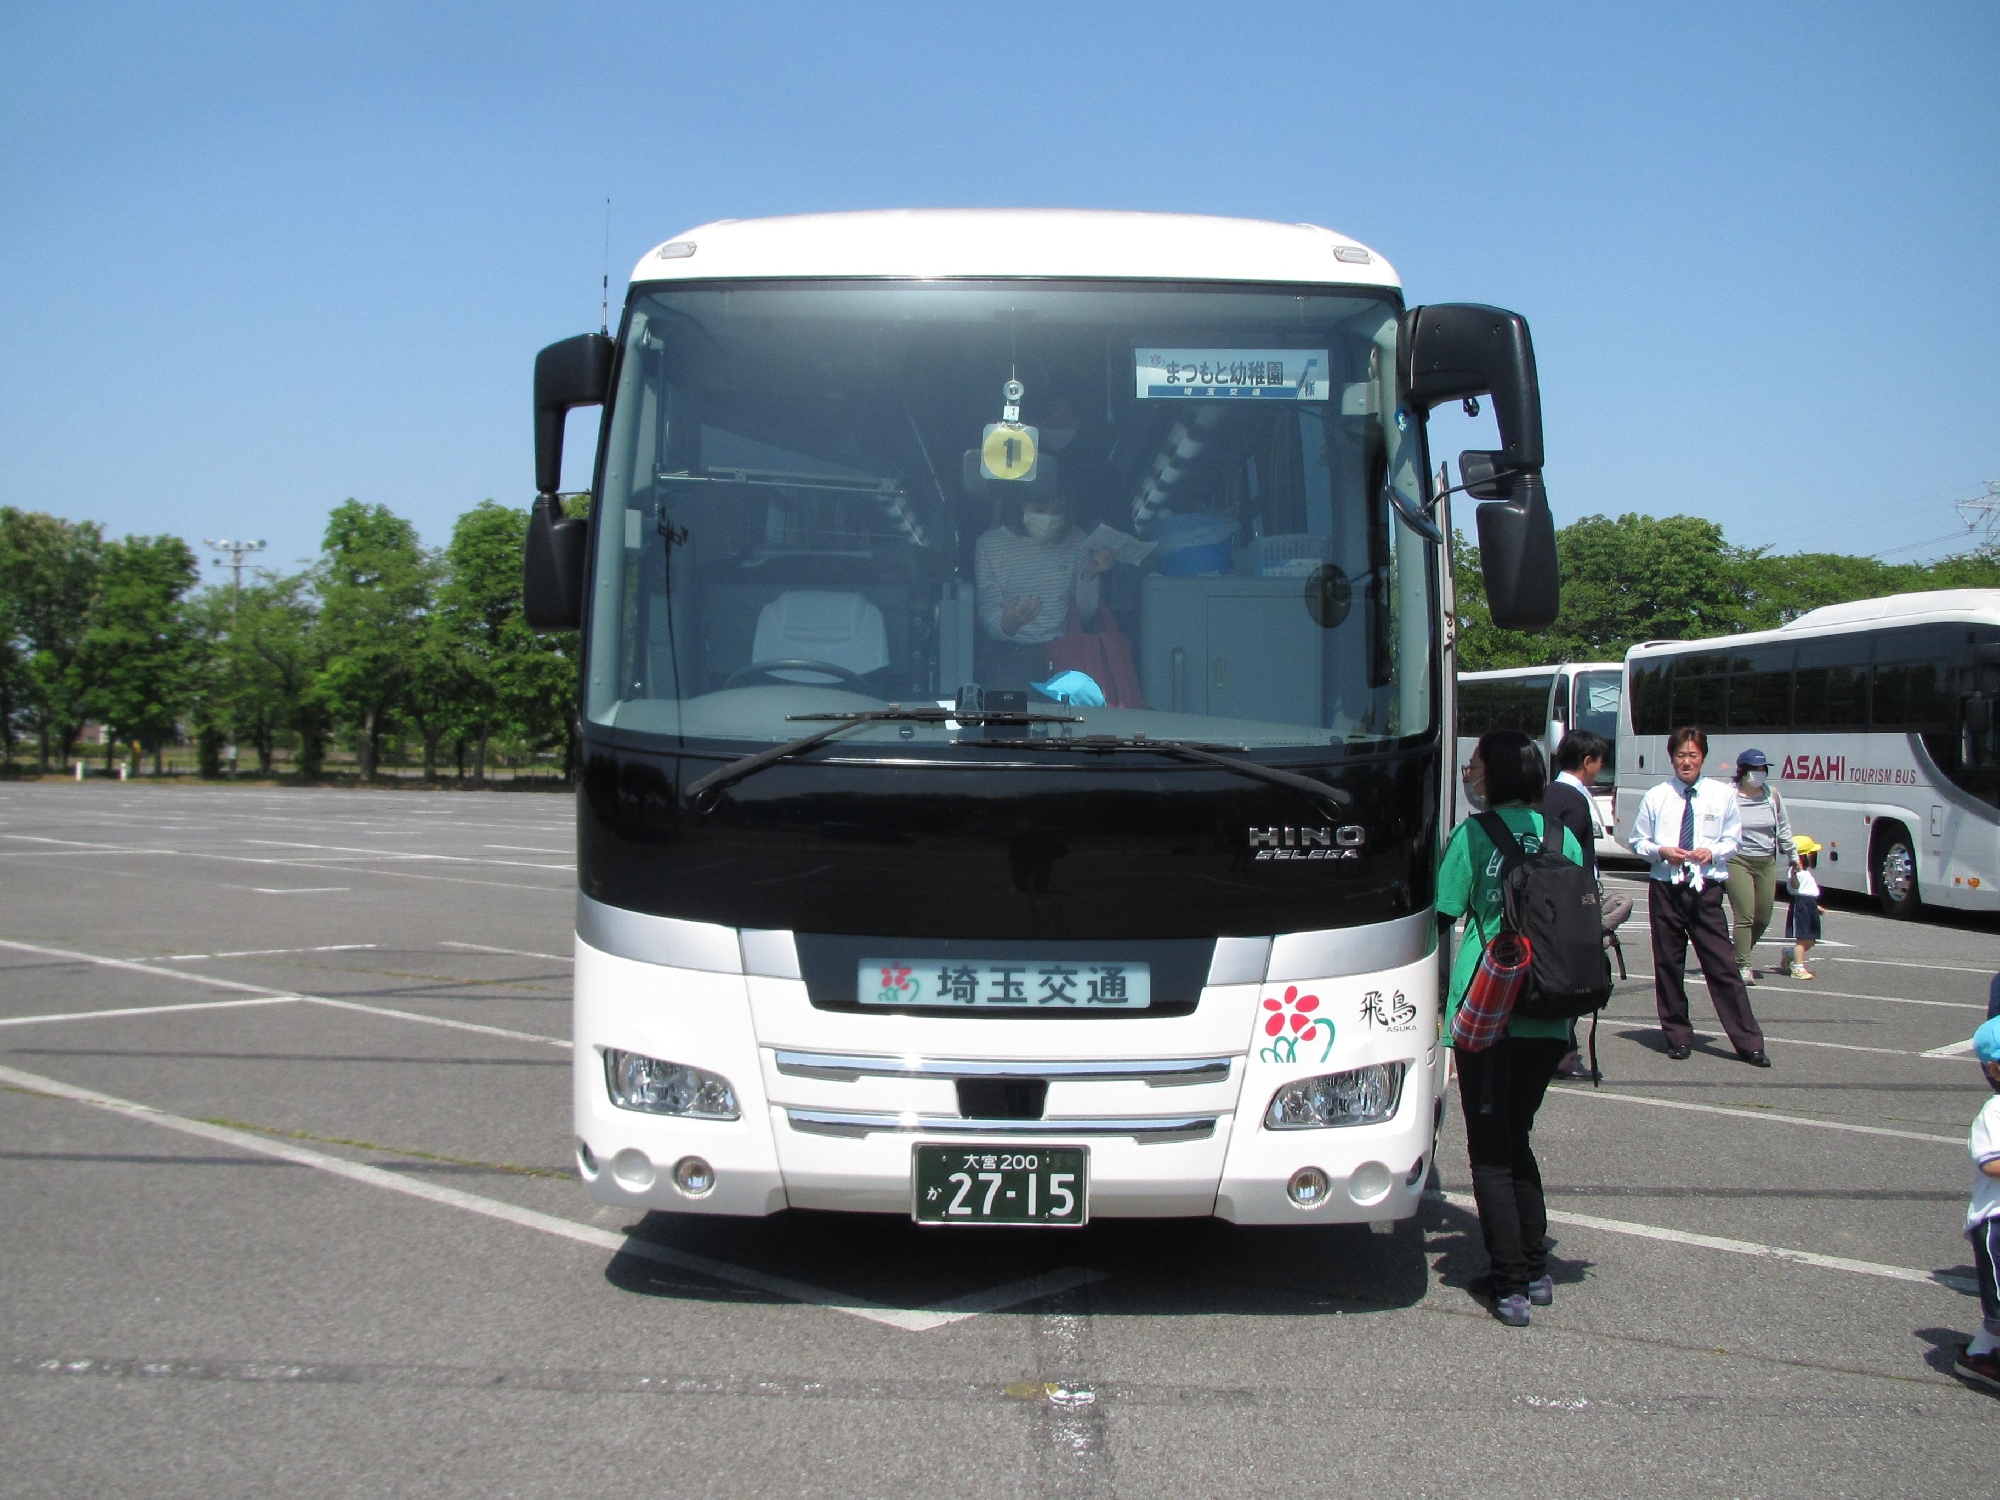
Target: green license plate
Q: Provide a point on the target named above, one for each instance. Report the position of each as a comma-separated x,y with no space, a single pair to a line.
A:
1001,1185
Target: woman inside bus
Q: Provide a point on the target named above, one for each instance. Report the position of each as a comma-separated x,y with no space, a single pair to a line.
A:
1501,1087
1753,872
1032,568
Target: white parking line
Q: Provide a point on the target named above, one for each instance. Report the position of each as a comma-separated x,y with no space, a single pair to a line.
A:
264,952
322,862
560,958
1741,1247
911,1320
147,1010
1799,1041
1561,1092
298,890
214,981
1897,963
1952,1049
1800,987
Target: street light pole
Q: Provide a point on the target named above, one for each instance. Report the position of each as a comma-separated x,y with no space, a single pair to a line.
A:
237,552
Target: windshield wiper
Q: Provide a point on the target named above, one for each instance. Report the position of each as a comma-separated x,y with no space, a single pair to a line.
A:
1190,750
750,765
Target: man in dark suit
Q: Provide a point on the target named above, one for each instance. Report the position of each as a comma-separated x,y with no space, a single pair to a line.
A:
1579,759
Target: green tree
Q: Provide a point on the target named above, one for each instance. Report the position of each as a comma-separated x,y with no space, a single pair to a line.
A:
480,606
536,671
49,575
375,584
137,652
262,663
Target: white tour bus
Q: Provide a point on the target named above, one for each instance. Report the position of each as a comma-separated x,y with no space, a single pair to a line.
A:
1877,718
878,909
1546,703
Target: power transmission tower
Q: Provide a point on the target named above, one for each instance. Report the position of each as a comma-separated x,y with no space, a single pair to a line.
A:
1982,513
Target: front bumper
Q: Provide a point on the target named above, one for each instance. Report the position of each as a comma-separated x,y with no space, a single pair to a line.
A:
1170,1108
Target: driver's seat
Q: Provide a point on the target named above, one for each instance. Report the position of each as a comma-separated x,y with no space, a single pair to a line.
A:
843,630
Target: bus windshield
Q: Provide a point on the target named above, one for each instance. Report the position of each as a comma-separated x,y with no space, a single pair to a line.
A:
1597,696
1148,509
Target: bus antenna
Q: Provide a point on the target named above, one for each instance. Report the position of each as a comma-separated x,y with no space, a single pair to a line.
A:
604,305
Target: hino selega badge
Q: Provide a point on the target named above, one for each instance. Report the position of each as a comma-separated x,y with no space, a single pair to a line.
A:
1308,843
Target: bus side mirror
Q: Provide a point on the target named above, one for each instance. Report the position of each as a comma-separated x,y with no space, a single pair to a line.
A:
573,373
1455,350
1517,555
553,571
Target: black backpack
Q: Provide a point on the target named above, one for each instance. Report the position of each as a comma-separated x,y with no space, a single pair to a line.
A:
1556,906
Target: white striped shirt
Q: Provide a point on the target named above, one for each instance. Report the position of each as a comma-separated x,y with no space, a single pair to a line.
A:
1013,567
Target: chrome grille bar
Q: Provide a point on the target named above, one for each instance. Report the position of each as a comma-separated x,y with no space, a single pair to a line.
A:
1162,1072
855,1123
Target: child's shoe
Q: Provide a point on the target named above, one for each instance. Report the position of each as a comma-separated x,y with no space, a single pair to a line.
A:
1979,1369
1798,970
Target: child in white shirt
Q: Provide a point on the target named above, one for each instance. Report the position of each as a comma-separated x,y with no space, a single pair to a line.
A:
1803,926
1979,1361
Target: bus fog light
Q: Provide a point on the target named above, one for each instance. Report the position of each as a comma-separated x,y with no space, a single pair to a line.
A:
632,1168
1360,1096
693,1176
667,1088
1308,1187
1370,1183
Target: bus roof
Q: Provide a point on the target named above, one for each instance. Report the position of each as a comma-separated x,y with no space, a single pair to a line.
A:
1939,604
1937,607
1039,242
1496,674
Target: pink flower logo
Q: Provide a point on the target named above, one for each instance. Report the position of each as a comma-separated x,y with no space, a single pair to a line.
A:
1290,1021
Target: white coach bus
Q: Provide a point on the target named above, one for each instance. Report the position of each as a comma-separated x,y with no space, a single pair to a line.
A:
1878,720
874,915
1545,703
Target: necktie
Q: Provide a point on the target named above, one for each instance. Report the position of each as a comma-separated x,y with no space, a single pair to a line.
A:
1687,829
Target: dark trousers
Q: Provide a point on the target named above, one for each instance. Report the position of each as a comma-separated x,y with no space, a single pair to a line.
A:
1500,1089
1680,915
1985,1237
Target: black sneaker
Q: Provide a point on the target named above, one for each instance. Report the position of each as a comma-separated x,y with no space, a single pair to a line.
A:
1978,1369
1513,1311
1542,1291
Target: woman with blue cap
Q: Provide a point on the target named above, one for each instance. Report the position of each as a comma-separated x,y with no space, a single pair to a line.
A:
1753,873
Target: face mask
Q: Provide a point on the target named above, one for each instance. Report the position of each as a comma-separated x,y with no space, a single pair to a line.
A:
1041,527
1055,439
1475,793
1757,779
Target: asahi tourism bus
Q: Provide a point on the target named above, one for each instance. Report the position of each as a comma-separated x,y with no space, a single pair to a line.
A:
1877,718
876,915
1546,703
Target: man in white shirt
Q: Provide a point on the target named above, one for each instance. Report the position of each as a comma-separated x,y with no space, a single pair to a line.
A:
1688,828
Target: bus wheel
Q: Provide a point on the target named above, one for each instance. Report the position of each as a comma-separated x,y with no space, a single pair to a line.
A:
1895,871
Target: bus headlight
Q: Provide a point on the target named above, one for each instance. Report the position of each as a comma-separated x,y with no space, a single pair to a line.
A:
1360,1096
667,1088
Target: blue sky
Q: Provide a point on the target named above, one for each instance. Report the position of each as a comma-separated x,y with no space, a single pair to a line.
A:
259,258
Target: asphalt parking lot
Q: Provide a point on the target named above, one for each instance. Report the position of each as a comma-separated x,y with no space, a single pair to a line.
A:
287,1206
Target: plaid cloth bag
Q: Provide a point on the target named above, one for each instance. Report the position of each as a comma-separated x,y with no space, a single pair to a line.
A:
1489,999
